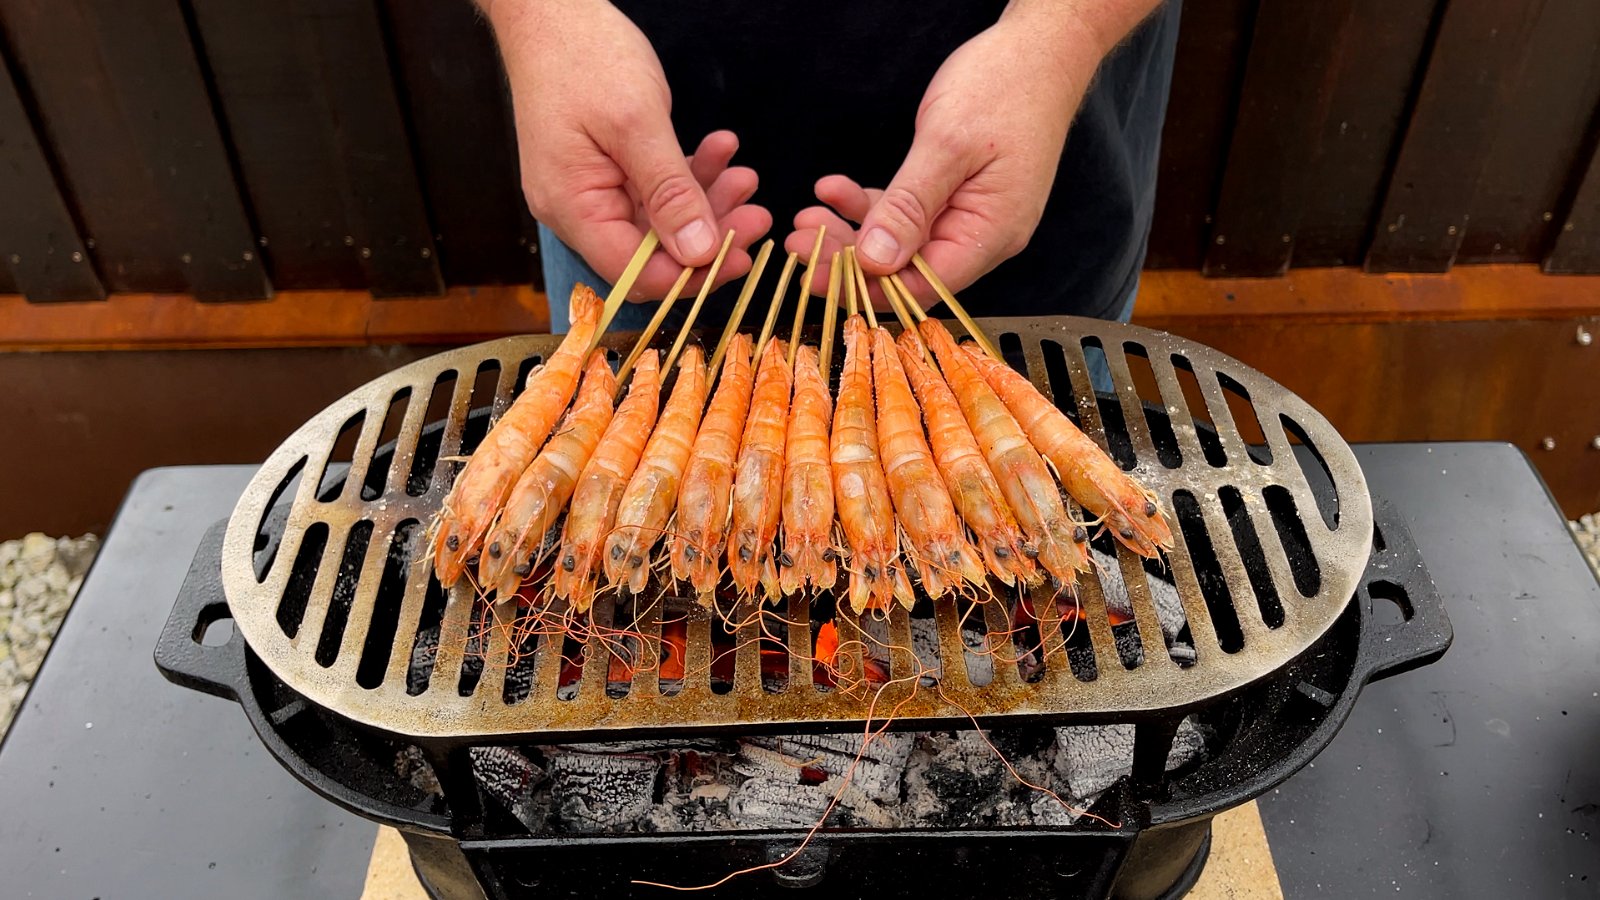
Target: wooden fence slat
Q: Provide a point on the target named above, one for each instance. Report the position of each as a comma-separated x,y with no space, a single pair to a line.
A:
270,96
1283,102
1474,61
148,50
1212,39
460,112
383,196
41,253
1577,247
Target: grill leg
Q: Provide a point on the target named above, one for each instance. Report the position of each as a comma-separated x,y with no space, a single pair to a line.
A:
1152,744
453,768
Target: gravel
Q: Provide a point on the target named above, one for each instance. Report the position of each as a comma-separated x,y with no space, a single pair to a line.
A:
1587,531
39,576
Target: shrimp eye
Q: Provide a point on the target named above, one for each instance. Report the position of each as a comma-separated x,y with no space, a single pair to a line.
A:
1149,507
636,561
453,542
570,563
523,569
785,560
870,571
1001,552
691,552
1030,551
955,557
1126,532
494,550
744,554
828,554
616,551
1080,534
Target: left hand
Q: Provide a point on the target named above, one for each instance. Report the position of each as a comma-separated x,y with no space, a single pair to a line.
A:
989,136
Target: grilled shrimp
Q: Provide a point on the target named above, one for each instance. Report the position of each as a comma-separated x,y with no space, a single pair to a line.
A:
1088,474
808,554
1053,537
757,500
599,490
652,493
702,519
972,486
860,490
922,504
480,490
539,496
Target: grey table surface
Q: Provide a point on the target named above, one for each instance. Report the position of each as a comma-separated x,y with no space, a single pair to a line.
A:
1476,776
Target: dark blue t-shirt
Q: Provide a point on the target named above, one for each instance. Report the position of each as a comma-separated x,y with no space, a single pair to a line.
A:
816,88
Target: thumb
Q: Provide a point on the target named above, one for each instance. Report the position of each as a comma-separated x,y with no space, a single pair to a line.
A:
673,199
897,225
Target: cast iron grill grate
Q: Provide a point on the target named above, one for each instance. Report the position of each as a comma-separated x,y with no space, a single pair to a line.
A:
323,572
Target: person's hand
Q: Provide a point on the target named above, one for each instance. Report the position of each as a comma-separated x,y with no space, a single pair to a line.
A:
989,135
600,162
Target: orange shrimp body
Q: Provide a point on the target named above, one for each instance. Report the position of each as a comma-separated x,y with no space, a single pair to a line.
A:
808,555
921,502
599,490
480,490
702,519
1088,474
860,490
1023,477
972,486
539,496
757,499
652,493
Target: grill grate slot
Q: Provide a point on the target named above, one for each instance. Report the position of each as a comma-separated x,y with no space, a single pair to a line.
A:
379,640
1246,419
1315,472
1292,533
485,404
344,593
1213,584
1157,420
333,479
302,578
372,487
265,539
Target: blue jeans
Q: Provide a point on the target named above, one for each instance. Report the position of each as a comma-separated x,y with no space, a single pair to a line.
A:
563,268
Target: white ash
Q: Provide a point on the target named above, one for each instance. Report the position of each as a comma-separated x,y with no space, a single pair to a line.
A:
39,577
1092,757
601,792
1586,530
875,772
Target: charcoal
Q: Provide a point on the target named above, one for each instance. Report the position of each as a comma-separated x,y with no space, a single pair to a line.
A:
601,792
953,779
1091,758
875,772
512,778
768,803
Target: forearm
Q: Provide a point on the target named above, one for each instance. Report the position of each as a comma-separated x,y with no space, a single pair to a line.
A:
1077,34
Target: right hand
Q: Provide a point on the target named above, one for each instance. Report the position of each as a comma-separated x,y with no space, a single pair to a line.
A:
601,164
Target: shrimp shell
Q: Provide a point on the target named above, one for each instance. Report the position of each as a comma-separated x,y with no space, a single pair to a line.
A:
481,489
972,486
1023,477
600,487
703,498
1088,474
652,493
808,555
539,496
938,546
860,489
757,500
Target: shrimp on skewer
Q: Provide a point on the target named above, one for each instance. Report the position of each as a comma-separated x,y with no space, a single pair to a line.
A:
757,501
702,518
860,490
539,496
1027,484
600,486
972,486
1088,474
937,545
652,493
808,555
480,490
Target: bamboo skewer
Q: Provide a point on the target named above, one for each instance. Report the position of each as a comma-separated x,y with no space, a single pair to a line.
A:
850,299
619,291
777,302
830,316
811,264
912,306
955,305
805,297
699,301
651,328
866,304
860,279
740,305
901,302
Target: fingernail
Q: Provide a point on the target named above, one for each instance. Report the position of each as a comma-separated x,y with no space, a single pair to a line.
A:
880,246
694,238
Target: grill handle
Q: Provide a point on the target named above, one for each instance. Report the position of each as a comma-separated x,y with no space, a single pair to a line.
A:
1397,579
180,654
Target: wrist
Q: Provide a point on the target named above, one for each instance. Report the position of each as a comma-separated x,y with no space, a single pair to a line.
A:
1079,33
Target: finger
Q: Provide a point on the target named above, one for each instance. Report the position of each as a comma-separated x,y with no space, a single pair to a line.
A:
673,199
847,197
716,150
748,224
732,188
898,223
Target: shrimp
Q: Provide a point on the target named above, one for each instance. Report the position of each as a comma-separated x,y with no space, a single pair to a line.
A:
757,500
1053,537
480,490
808,555
1088,474
972,486
702,519
652,493
541,493
860,490
599,490
922,504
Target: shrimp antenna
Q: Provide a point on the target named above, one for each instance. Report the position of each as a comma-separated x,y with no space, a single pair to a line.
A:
740,305
777,302
619,291
651,328
699,301
955,305
830,317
